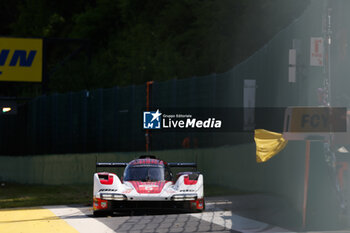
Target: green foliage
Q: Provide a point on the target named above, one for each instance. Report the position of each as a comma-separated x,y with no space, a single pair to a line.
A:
132,42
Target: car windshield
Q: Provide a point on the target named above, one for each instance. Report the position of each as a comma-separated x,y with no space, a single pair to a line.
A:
146,173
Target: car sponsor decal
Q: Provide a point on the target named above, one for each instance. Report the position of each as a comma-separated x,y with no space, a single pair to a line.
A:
99,204
187,190
108,190
148,187
147,161
127,191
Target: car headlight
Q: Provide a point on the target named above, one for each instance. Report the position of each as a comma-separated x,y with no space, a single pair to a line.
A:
113,197
184,197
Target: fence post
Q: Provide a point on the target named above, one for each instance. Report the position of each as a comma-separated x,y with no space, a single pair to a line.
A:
149,101
54,123
133,124
100,119
116,145
213,89
84,116
70,123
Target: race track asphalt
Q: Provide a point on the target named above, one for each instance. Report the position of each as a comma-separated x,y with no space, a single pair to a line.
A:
219,216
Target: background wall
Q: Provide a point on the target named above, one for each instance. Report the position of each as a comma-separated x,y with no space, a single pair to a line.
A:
229,166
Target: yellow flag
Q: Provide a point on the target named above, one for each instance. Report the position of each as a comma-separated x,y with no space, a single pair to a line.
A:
268,144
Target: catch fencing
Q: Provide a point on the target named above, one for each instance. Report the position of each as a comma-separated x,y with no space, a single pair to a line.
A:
110,119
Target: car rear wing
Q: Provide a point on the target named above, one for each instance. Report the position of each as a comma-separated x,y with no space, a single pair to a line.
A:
125,164
182,165
111,164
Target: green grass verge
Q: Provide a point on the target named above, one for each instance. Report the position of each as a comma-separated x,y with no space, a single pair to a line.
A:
19,195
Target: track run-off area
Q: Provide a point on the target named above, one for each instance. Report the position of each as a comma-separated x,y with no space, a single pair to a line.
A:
218,217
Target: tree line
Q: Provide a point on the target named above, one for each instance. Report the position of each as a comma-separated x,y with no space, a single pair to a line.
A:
123,42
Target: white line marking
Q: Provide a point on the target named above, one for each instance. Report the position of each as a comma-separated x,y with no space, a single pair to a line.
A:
235,222
77,218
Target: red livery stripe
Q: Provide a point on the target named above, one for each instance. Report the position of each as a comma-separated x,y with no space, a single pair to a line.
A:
105,178
187,181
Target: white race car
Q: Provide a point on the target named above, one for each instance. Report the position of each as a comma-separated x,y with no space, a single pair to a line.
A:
147,184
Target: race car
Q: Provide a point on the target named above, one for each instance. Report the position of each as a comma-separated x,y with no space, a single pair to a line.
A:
147,184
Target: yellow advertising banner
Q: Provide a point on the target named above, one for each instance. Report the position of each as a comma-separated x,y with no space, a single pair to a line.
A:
318,119
21,60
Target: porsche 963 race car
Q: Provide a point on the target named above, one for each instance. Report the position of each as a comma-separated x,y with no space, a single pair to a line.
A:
147,184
